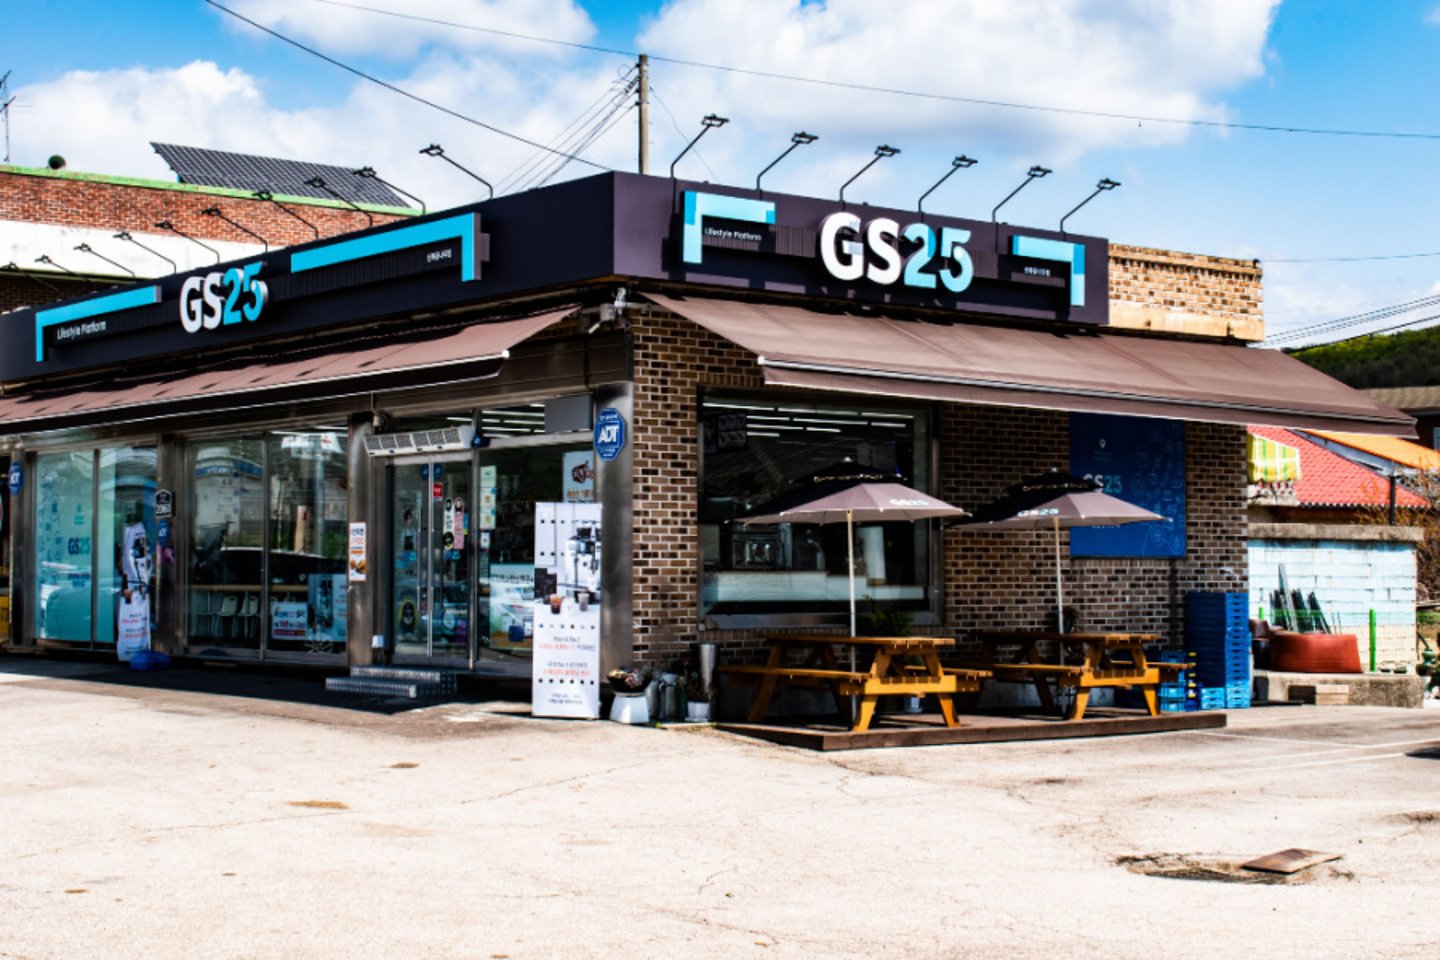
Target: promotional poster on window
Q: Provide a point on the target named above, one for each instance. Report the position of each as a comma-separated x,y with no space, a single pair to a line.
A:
566,605
132,628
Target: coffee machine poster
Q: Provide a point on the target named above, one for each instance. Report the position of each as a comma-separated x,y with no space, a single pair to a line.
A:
579,479
565,680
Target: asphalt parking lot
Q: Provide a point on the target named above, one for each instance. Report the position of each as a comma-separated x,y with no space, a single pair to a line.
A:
218,820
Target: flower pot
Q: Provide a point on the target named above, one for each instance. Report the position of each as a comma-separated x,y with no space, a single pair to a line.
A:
697,711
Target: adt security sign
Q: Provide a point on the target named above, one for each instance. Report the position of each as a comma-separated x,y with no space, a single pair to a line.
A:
17,478
609,433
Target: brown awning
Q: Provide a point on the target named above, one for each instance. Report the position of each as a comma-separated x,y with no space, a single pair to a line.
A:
471,352
1084,370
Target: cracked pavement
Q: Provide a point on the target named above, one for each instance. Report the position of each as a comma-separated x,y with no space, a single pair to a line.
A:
156,821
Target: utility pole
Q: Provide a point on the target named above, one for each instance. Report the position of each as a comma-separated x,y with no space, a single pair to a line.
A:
644,69
5,113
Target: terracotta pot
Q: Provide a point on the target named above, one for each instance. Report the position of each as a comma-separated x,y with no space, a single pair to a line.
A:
1292,652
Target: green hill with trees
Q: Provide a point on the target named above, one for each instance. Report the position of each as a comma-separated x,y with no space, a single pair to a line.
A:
1410,358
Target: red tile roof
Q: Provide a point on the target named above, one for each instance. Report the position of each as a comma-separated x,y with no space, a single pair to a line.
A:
1329,480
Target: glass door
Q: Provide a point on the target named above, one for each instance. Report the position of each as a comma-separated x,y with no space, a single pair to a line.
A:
432,578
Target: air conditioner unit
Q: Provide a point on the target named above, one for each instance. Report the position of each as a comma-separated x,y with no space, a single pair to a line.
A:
420,441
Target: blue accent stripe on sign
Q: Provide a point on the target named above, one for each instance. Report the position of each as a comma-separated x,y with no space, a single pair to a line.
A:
465,227
94,307
698,206
1061,252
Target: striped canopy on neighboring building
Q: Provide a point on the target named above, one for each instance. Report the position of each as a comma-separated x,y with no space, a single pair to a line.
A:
1271,461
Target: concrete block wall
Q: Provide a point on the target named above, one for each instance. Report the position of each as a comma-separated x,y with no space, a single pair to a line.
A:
992,580
1349,579
1163,290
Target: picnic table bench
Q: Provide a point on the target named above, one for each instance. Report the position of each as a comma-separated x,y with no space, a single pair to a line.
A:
898,666
1100,668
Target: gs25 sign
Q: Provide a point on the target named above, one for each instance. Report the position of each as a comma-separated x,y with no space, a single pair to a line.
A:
851,250
217,299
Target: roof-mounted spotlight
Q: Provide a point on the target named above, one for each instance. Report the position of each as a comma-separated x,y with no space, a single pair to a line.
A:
269,197
1105,185
217,213
707,123
319,184
370,174
125,235
1034,173
881,152
435,150
16,268
167,225
86,248
799,139
45,259
961,162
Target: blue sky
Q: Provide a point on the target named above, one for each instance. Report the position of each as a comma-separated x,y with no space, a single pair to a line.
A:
182,71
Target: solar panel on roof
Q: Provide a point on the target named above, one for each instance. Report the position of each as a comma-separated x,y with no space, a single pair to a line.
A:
244,171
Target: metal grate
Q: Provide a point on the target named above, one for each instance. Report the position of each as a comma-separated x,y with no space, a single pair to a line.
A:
243,171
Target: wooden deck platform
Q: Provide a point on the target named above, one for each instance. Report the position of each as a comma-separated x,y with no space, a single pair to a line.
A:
924,730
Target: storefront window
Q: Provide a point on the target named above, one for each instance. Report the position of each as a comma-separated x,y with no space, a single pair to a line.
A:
755,450
308,509
512,482
268,542
93,547
64,499
124,540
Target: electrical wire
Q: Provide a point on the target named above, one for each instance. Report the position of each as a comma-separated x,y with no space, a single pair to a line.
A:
559,140
897,91
615,117
1357,319
1367,259
400,90
576,136
1384,330
683,135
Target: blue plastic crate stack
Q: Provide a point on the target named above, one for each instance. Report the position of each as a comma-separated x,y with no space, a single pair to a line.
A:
1217,639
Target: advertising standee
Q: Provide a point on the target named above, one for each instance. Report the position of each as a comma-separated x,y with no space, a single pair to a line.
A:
566,674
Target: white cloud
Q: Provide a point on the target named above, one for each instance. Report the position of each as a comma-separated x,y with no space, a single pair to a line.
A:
1432,16
1139,57
1173,59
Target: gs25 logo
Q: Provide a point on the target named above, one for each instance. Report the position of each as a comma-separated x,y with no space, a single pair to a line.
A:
222,298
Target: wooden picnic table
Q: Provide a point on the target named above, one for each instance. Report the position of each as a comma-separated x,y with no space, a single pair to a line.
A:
898,666
1101,667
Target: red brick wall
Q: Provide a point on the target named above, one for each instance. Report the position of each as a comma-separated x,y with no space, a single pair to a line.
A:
991,580
33,197
76,201
1007,579
673,359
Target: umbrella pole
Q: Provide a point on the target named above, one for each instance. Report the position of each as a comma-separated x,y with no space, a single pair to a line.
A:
850,558
1059,597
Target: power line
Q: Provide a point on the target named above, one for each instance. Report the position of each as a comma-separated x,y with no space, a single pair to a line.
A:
1358,319
404,93
897,91
1363,259
574,132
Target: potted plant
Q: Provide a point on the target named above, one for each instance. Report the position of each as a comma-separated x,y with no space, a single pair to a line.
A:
697,699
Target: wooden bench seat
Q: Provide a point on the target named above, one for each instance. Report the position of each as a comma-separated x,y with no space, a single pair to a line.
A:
801,673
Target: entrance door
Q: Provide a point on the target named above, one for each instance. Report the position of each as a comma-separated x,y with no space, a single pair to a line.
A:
432,576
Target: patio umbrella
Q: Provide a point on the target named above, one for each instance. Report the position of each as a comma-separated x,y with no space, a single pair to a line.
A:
1053,500
852,493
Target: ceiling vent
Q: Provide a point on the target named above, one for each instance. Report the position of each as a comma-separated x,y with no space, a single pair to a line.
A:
420,441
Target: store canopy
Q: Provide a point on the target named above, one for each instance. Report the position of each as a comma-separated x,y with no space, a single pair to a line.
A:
1082,370
467,353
